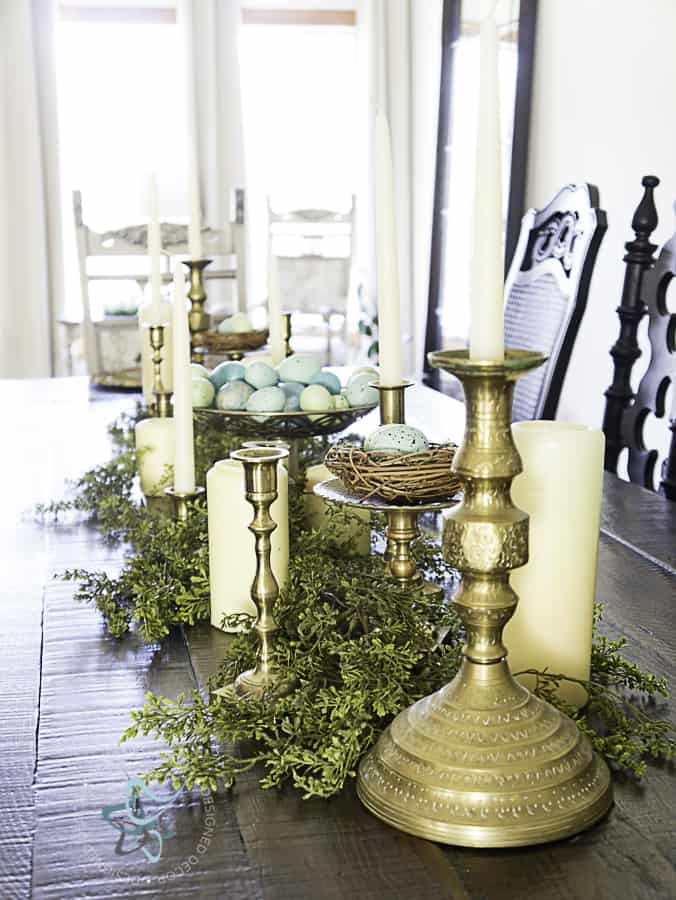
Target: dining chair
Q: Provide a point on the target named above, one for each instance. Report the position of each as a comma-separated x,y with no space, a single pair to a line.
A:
546,291
314,251
118,255
645,290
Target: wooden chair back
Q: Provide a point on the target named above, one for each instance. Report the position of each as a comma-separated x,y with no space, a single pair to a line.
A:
546,291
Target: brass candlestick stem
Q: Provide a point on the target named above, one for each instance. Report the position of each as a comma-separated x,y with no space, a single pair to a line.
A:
162,405
198,318
260,476
286,333
483,762
181,499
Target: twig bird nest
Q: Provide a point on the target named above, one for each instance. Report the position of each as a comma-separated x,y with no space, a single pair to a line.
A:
242,340
396,477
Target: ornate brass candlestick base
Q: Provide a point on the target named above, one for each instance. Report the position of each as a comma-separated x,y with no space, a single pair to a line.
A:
162,405
260,475
484,763
181,499
286,333
198,318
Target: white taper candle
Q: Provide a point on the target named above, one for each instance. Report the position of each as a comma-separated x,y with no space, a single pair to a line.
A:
275,322
389,328
184,458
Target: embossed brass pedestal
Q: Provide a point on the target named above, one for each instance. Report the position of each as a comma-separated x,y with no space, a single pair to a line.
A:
260,476
162,402
198,318
484,763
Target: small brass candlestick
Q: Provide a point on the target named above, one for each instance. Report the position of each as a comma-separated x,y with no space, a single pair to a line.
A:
286,333
181,499
162,404
198,318
260,476
393,412
483,762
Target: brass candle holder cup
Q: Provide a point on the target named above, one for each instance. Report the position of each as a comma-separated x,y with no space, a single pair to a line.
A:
162,403
392,402
198,318
483,762
181,501
286,333
260,476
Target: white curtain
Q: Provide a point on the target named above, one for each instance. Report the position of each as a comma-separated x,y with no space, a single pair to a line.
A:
400,61
212,30
31,261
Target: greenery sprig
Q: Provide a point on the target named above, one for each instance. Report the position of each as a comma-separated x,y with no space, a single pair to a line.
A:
357,647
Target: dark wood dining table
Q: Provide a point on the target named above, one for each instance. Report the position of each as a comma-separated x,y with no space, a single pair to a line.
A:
68,686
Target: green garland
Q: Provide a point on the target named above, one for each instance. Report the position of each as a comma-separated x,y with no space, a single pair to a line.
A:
357,647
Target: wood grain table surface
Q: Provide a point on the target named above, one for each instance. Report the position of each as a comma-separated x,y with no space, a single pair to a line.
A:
68,687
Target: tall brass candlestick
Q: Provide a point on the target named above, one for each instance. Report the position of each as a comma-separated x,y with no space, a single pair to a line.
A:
181,499
260,477
162,406
198,318
483,762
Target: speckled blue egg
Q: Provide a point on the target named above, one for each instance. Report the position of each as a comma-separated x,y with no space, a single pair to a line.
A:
328,380
364,370
227,371
360,393
233,395
315,398
198,370
299,367
203,393
261,375
397,439
267,399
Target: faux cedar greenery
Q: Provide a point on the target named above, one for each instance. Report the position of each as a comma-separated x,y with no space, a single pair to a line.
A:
358,647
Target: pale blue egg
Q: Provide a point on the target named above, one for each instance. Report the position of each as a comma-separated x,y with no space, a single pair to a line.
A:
292,403
360,393
234,395
364,370
397,439
315,398
328,380
261,375
340,402
227,371
299,367
267,399
292,388
203,393
198,370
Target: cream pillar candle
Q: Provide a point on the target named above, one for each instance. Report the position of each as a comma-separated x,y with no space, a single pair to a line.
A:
389,327
146,317
560,489
359,525
184,453
486,337
232,554
195,223
275,321
155,448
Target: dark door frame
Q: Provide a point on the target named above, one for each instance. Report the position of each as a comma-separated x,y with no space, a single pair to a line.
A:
517,184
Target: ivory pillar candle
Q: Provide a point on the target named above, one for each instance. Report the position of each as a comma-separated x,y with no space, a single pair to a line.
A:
155,448
275,321
232,553
560,489
154,251
195,223
389,326
184,452
146,316
486,337
358,527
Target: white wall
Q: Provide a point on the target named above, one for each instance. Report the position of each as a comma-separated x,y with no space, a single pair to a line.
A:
603,112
